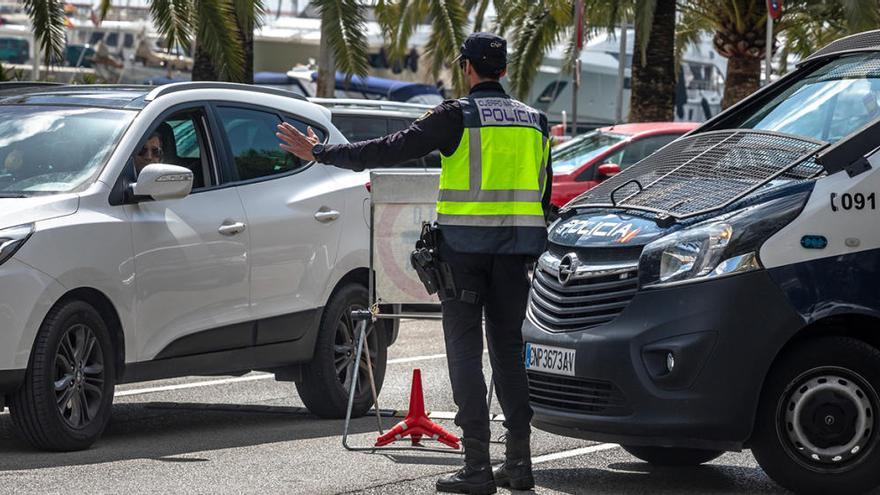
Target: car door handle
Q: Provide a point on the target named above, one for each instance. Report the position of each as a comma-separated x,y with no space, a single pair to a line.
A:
326,215
231,228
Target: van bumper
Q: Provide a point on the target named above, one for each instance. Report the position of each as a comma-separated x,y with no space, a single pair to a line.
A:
723,334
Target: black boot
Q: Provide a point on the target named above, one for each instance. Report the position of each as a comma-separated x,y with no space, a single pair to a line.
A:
516,472
476,475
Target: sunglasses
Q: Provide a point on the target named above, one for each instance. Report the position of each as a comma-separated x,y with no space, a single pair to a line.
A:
151,151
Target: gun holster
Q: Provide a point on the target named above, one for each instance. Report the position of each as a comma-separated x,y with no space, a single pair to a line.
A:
434,274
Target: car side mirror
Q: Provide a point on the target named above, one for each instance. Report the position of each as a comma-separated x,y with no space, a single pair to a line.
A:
608,169
162,181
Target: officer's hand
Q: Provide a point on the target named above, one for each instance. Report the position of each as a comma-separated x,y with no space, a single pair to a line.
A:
296,142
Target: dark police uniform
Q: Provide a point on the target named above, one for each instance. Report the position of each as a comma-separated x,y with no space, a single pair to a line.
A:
489,254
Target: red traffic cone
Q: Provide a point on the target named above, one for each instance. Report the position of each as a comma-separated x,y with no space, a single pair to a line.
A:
417,424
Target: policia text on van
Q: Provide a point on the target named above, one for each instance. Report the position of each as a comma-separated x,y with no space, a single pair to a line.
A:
720,295
493,200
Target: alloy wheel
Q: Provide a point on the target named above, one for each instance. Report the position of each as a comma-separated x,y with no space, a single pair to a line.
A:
79,376
345,348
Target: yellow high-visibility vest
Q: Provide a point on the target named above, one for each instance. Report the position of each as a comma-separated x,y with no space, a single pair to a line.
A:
496,177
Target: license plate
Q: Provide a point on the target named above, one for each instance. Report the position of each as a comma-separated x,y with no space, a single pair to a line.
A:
550,359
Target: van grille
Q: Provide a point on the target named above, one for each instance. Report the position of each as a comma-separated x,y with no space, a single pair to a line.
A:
582,303
578,395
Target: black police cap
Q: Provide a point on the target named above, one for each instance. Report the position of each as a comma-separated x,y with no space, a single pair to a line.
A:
485,50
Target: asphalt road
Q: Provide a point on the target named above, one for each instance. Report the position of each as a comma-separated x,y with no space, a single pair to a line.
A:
249,435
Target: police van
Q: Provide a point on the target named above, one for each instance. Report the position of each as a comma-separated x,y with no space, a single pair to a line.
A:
724,293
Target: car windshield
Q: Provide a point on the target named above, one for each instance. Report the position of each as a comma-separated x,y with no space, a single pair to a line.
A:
45,149
827,104
571,155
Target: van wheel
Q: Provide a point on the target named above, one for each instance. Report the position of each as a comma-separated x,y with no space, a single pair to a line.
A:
67,396
818,422
672,456
326,380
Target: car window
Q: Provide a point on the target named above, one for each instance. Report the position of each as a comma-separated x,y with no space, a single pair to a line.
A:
573,154
641,148
112,39
179,140
129,40
361,128
254,146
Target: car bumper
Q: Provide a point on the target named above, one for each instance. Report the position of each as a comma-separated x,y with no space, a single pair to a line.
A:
723,334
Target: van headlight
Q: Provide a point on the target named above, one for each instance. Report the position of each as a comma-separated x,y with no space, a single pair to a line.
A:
12,238
725,246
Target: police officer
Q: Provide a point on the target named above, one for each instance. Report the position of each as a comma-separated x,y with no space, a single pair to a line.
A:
494,196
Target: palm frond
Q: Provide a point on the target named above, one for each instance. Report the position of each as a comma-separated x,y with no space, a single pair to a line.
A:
104,8
47,19
174,20
480,15
448,23
218,36
250,12
343,27
536,33
510,13
643,18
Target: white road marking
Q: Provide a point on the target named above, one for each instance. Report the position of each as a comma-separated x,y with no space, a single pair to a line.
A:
250,378
573,453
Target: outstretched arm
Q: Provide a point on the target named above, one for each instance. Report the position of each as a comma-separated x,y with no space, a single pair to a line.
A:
437,129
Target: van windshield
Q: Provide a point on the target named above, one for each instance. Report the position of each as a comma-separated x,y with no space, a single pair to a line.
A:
45,149
827,104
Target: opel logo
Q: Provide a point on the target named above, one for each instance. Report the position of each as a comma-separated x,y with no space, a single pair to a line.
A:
567,267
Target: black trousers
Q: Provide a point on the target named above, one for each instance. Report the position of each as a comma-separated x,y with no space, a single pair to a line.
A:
503,285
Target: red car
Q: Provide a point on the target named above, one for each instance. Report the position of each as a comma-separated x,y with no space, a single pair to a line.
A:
587,160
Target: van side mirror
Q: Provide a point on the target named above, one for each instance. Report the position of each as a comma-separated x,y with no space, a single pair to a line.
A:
162,181
608,169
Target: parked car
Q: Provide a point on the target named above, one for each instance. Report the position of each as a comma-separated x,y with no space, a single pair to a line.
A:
226,256
582,163
724,293
360,120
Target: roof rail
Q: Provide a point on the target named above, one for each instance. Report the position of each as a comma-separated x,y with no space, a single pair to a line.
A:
27,84
186,86
866,41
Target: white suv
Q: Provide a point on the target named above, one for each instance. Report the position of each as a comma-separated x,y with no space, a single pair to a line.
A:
151,233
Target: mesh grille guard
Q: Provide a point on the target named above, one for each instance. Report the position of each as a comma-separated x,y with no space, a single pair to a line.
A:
705,172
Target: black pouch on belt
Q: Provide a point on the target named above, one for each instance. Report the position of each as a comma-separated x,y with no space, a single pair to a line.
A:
435,275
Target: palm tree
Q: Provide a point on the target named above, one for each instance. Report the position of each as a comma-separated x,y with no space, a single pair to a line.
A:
343,42
344,45
47,19
652,98
222,30
739,28
537,26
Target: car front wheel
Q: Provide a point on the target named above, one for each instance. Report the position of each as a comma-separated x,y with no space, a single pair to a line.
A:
818,423
67,396
327,379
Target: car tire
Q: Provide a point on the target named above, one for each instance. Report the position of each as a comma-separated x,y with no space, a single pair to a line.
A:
66,399
672,456
818,421
324,386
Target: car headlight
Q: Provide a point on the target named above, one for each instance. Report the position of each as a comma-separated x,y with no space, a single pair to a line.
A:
12,238
721,247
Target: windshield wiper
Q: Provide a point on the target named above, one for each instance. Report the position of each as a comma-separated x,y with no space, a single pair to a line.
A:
12,195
